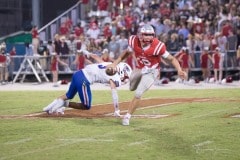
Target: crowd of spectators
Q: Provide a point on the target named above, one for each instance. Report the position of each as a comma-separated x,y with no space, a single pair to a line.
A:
197,25
179,23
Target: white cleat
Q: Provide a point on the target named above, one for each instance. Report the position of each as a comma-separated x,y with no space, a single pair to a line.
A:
49,107
57,105
117,113
60,110
125,121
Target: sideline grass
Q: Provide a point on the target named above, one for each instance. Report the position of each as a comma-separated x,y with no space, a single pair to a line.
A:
199,132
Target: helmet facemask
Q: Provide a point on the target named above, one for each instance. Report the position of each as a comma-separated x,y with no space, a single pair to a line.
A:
146,34
124,71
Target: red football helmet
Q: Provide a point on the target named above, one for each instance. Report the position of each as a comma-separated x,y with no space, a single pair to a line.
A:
146,33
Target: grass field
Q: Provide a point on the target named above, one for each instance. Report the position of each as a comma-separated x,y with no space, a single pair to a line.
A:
199,131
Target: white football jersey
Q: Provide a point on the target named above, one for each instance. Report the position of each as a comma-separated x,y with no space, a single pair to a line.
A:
96,73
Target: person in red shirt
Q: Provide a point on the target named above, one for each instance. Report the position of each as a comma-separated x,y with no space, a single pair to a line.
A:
85,1
63,30
226,27
128,19
216,59
185,61
126,3
204,61
102,5
35,39
55,61
81,60
3,65
78,30
148,51
179,54
114,13
107,33
198,26
164,10
118,2
69,23
34,32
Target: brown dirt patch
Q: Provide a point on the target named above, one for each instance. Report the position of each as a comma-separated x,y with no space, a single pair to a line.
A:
101,110
106,110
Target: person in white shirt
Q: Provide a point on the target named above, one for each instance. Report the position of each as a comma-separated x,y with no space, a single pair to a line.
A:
81,81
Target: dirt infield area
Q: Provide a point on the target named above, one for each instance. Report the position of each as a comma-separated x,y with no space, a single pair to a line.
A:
106,110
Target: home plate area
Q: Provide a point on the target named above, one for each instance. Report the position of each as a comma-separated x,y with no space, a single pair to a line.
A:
106,110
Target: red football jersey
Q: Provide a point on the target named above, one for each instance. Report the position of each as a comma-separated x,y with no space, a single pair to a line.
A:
2,58
150,56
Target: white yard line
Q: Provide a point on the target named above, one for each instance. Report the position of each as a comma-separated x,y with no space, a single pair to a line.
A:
18,141
148,107
137,143
66,142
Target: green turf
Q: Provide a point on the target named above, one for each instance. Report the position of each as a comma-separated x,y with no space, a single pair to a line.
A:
200,131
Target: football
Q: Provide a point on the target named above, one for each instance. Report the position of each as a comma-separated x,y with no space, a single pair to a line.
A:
110,71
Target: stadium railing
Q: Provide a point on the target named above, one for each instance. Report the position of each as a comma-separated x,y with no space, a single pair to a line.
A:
45,62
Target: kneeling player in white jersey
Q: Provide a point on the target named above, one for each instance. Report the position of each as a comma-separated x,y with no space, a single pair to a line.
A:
81,81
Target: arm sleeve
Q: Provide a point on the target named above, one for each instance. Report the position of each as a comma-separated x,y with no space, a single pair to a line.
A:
115,99
165,54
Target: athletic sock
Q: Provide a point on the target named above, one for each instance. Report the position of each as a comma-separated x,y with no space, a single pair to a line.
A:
128,115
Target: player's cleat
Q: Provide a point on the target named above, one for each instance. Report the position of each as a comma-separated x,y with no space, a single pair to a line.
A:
49,107
125,121
117,113
57,105
60,110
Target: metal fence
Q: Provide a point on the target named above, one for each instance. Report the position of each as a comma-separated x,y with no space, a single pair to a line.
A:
230,63
49,30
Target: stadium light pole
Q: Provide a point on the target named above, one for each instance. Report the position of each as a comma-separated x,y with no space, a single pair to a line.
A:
36,12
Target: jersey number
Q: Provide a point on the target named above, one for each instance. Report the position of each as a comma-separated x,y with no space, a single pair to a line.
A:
144,61
101,66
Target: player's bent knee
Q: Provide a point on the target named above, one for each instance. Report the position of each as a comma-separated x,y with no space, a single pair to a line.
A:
135,78
86,107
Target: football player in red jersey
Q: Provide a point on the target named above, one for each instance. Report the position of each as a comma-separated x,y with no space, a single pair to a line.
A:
148,51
